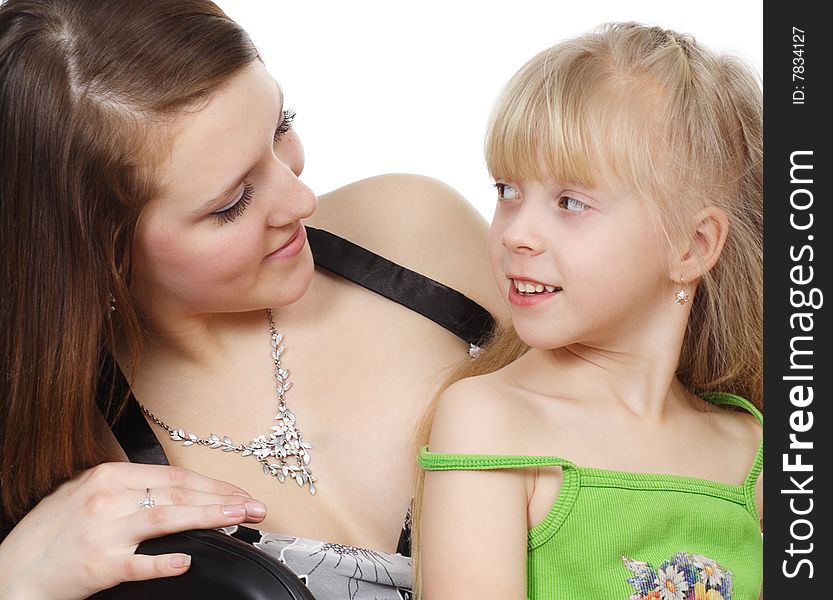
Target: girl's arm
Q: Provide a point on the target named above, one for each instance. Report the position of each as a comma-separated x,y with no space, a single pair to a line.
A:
473,523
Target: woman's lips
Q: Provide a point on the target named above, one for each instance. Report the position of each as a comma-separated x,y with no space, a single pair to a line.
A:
293,245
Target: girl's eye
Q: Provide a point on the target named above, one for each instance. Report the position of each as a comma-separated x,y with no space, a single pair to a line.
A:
233,210
572,205
285,125
506,192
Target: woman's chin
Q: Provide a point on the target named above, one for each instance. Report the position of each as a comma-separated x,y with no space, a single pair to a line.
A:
292,286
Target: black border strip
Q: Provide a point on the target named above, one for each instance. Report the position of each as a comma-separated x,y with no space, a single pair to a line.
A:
797,239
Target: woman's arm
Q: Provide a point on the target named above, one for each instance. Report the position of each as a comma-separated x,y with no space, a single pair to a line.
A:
473,523
81,538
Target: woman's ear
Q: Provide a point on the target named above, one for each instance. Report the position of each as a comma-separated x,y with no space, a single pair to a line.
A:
703,248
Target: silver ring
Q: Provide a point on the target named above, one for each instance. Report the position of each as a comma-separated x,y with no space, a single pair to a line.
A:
147,502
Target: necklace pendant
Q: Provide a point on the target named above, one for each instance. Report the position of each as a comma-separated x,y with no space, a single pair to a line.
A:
284,453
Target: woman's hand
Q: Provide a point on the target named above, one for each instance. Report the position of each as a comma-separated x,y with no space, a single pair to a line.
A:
81,538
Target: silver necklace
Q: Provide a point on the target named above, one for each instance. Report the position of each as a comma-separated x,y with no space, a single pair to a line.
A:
283,453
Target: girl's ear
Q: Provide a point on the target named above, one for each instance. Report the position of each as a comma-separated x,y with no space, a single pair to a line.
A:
705,244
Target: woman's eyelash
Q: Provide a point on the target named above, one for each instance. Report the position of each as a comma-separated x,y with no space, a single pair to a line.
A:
227,215
285,125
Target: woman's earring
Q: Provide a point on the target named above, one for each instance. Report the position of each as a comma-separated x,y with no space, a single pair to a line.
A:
112,303
681,297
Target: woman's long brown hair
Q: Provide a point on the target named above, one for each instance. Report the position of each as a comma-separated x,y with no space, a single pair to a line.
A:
86,89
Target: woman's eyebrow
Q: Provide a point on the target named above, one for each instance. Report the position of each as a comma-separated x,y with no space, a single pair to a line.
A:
227,192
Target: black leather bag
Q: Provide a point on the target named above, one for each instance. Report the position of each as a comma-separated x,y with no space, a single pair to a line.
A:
221,567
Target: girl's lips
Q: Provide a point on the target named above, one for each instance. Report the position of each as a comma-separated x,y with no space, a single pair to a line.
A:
293,245
518,299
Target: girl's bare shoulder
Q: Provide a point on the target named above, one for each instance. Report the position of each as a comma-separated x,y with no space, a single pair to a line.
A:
486,414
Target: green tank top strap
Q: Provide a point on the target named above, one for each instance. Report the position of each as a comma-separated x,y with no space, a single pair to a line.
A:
439,461
724,398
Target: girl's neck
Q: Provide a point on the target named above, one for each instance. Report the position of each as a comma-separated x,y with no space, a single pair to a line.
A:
642,382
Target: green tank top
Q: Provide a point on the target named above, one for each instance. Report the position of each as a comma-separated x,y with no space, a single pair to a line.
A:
638,536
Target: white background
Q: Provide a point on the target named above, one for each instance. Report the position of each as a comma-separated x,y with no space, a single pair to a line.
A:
395,86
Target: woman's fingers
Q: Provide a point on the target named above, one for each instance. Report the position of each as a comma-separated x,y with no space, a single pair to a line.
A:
253,510
162,520
82,537
138,567
180,496
141,477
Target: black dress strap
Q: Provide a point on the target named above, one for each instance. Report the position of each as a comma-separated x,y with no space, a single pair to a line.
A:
447,307
130,429
443,305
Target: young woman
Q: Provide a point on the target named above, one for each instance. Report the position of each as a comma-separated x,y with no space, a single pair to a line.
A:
153,219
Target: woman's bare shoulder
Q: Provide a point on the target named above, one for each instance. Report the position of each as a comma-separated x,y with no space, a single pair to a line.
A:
417,222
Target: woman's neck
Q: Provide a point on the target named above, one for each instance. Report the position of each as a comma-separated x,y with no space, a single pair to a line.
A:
204,341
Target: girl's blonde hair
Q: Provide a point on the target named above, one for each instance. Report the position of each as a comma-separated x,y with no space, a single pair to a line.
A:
678,126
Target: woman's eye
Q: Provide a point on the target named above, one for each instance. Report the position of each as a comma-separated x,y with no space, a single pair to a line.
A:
572,205
231,211
506,192
285,125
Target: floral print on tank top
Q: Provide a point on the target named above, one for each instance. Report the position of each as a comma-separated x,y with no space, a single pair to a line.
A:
683,577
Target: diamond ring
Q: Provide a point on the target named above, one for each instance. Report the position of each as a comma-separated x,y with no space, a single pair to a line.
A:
147,502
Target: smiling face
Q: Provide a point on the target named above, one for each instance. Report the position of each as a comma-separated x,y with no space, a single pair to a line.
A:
224,233
577,265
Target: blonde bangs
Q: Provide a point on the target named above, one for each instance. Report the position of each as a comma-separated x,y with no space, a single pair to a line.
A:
532,136
568,115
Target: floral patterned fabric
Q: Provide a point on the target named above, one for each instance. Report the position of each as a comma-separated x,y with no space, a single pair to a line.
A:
684,577
334,571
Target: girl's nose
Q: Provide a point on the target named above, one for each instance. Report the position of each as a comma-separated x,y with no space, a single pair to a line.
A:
522,232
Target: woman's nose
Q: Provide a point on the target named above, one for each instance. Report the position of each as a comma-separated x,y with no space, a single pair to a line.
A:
292,199
290,151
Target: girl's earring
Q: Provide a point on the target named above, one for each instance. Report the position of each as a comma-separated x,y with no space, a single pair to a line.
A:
681,297
112,303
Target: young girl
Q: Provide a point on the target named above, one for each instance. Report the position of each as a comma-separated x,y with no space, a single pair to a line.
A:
620,455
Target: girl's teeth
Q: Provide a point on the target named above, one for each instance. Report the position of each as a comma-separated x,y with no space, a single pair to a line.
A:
532,288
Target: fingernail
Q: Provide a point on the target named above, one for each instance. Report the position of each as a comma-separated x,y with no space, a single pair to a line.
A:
255,509
238,510
244,494
180,561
